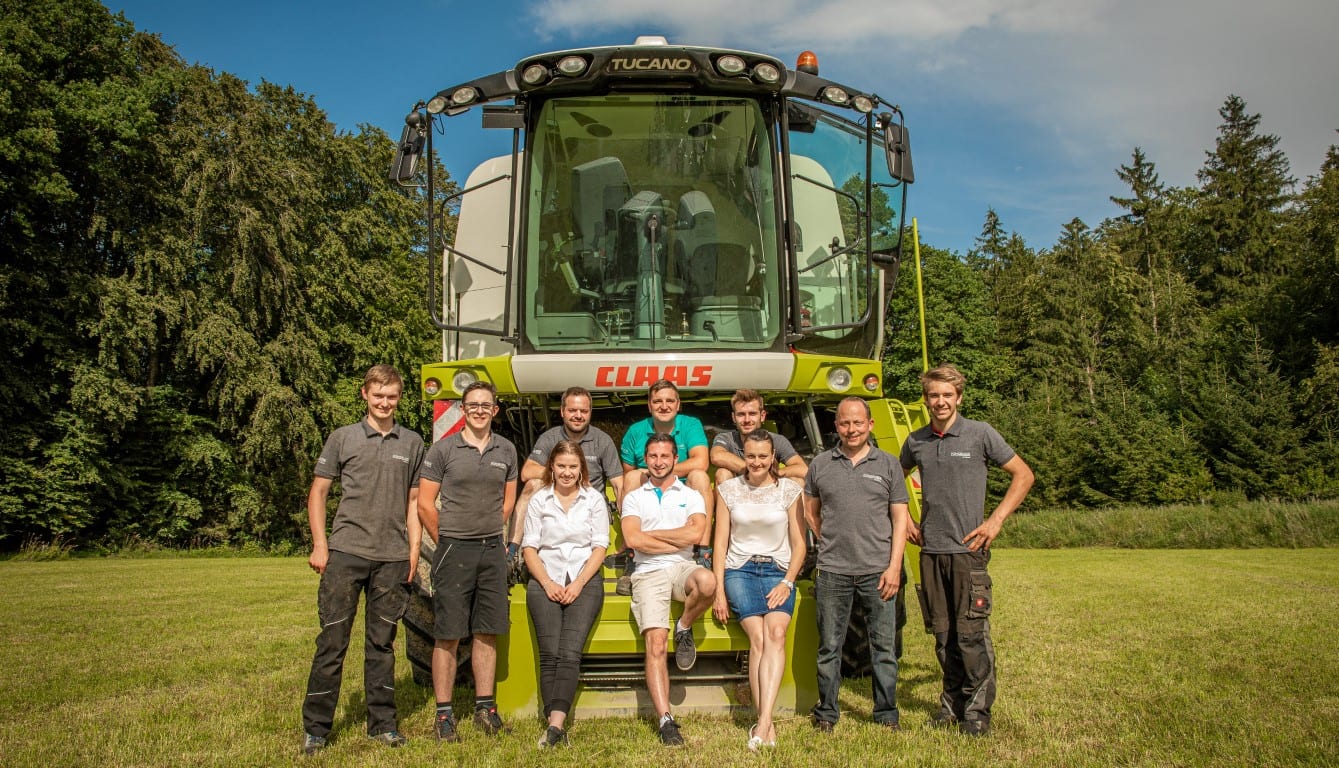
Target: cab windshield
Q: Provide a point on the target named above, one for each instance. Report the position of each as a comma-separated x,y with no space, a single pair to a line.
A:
651,224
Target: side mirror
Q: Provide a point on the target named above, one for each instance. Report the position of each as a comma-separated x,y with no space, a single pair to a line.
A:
408,151
897,146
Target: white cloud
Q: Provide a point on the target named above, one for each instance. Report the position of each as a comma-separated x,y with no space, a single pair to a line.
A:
1078,83
1103,74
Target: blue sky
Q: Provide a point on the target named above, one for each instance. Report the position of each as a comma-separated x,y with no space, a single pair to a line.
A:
1026,106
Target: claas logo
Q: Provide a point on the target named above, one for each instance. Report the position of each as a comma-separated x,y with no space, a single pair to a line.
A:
625,376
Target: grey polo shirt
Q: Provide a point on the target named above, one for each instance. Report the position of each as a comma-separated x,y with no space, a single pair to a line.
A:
731,441
953,479
602,461
473,484
375,474
857,530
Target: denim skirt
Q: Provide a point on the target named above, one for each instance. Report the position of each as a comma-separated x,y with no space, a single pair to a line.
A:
746,588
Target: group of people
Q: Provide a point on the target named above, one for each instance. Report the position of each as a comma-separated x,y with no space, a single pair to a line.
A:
462,492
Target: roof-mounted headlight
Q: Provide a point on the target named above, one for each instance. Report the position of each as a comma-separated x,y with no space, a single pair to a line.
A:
535,74
835,95
464,96
863,104
572,65
767,73
730,65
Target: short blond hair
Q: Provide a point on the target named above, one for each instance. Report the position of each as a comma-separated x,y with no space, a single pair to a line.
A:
946,374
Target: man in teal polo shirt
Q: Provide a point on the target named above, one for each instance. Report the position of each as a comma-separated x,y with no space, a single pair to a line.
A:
663,403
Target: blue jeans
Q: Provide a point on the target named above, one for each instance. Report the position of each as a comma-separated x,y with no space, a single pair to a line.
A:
835,594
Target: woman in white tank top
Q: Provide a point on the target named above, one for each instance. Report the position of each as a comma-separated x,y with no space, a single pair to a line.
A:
759,545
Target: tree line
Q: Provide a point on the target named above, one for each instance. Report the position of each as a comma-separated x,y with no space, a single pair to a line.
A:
1186,351
196,272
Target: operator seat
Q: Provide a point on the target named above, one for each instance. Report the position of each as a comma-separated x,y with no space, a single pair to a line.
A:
599,189
726,299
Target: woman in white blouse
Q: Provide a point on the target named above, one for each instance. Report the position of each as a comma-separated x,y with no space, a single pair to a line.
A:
759,531
566,536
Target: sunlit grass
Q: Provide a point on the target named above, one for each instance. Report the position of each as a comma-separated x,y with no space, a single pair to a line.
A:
1239,524
1106,657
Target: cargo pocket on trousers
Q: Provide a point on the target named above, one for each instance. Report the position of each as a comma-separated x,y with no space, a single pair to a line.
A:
978,603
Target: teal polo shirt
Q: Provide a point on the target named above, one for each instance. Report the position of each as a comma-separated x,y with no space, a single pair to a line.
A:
687,432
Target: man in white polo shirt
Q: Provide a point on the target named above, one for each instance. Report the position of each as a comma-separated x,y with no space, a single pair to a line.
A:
661,522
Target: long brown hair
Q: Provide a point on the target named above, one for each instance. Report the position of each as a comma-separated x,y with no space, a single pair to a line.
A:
567,447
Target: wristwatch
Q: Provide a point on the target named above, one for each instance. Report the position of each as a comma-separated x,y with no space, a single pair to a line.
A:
789,584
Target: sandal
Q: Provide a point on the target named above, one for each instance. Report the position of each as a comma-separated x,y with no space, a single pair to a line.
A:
754,741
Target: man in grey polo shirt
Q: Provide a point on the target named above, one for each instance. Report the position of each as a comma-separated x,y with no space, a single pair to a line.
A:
472,476
602,459
727,450
952,454
372,548
856,505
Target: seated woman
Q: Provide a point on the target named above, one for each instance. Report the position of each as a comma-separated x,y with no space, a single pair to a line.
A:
759,531
566,536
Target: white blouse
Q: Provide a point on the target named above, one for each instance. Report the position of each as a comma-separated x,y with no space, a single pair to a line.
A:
759,520
564,540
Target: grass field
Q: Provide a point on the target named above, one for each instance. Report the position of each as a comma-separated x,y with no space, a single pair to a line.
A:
1106,657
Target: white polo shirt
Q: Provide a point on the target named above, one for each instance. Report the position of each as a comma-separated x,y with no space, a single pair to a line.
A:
564,540
660,511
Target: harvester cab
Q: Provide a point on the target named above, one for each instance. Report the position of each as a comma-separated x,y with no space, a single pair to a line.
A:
702,215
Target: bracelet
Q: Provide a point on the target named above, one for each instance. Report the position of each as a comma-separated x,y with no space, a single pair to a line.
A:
789,584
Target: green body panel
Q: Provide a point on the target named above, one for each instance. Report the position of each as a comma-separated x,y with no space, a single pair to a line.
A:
713,685
811,375
496,370
893,422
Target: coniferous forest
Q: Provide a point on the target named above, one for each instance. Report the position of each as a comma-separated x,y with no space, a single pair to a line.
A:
197,270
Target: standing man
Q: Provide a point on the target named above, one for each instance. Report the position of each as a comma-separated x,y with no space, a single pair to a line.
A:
952,454
727,450
692,460
856,505
372,548
472,474
602,459
661,521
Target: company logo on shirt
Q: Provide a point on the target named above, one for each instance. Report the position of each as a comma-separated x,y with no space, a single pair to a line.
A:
398,457
876,478
321,460
961,454
497,464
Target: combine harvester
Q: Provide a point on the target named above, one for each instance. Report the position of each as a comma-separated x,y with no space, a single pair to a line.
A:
702,215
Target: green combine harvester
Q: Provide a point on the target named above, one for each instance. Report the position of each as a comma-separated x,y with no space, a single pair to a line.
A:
702,215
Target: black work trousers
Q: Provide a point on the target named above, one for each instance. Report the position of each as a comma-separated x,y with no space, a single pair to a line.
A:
560,633
956,603
346,577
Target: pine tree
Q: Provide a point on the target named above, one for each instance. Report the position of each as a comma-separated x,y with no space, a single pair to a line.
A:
1245,185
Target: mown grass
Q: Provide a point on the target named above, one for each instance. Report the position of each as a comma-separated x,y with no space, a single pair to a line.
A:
1238,525
1106,657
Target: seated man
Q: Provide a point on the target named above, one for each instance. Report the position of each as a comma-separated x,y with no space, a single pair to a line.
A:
691,440
727,451
661,520
602,460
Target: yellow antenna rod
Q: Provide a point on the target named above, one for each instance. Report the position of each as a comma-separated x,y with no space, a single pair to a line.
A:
920,296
